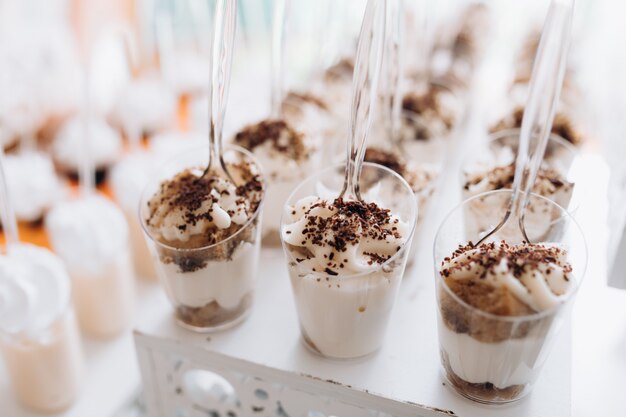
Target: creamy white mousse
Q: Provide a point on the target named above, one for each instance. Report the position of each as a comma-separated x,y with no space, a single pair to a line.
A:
105,145
343,284
500,357
39,336
205,239
145,107
91,236
33,184
287,156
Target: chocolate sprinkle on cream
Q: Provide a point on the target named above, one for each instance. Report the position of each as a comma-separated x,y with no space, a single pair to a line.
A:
281,137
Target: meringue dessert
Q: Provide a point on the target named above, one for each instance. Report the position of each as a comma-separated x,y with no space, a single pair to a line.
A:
33,185
288,156
346,260
39,337
204,234
105,146
90,234
497,305
145,107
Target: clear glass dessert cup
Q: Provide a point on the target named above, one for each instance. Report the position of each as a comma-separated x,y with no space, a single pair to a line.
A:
493,358
46,369
500,151
211,287
346,315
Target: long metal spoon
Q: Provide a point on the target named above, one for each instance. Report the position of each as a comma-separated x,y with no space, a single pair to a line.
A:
364,92
545,88
225,24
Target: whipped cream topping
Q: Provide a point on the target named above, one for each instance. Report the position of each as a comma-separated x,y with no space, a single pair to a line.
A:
34,289
342,237
89,233
105,144
538,275
548,181
33,184
145,106
208,208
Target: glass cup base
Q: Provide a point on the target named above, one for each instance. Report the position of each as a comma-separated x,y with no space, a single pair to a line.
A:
484,393
310,346
215,324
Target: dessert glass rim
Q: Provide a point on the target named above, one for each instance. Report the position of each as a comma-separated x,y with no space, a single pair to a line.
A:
340,166
527,317
204,149
516,131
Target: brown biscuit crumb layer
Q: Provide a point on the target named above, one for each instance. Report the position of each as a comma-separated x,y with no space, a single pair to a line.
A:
484,391
282,137
340,71
212,314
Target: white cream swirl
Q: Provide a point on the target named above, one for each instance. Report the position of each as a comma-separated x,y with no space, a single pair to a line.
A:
88,233
536,274
33,184
211,206
34,289
105,144
342,237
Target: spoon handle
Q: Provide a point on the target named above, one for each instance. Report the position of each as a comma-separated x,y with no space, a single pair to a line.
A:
278,55
544,91
223,41
364,91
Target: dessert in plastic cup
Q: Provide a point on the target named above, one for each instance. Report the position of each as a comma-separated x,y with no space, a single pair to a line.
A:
288,156
204,236
39,336
91,235
494,169
346,258
501,303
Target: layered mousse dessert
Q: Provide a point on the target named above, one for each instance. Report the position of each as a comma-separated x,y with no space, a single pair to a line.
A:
130,176
497,304
345,260
90,234
549,183
430,112
562,125
39,336
205,236
105,146
33,185
287,155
